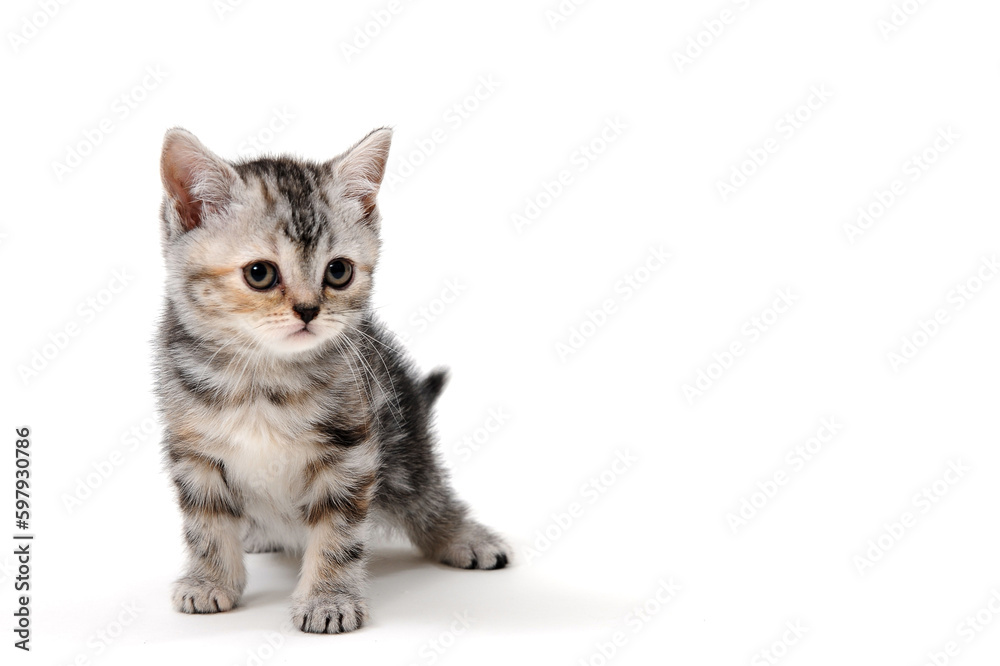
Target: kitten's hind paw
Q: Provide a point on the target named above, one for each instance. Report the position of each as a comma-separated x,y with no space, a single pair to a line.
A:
192,595
329,614
476,547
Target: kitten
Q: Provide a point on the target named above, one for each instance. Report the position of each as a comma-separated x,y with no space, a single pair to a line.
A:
292,418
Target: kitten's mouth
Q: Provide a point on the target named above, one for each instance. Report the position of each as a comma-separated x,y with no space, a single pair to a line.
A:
297,340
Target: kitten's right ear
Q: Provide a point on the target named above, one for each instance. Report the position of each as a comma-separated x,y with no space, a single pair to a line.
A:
362,168
197,182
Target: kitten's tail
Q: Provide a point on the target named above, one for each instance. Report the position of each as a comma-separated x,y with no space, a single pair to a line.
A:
432,385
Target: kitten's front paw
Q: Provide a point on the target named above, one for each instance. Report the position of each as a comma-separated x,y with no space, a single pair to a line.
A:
476,548
329,614
193,595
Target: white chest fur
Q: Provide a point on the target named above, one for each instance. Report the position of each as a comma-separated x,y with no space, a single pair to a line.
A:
265,453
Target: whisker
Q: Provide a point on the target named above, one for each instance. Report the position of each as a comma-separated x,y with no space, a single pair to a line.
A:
389,403
364,377
354,375
388,373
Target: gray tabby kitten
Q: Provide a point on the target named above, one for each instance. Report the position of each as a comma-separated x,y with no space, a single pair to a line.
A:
292,419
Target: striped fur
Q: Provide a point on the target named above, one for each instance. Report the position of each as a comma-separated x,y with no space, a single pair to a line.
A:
281,433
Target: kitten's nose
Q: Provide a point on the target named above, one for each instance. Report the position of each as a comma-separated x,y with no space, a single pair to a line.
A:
306,312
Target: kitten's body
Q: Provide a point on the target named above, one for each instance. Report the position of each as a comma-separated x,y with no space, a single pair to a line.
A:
292,418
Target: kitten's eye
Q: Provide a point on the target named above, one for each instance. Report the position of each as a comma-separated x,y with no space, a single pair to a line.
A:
339,273
261,275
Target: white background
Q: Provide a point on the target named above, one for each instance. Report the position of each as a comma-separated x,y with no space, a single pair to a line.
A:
685,126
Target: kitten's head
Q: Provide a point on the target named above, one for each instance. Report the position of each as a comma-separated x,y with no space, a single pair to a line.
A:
274,254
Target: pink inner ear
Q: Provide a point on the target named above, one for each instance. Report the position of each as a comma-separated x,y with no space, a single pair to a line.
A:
364,192
188,208
363,168
197,181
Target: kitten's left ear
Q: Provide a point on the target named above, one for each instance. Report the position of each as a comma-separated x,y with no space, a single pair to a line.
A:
360,170
196,180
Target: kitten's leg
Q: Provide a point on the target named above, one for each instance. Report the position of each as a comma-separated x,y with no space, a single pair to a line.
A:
416,495
215,575
439,525
329,597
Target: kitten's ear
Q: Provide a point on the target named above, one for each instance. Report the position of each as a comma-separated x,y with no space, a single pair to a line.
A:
196,180
360,170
